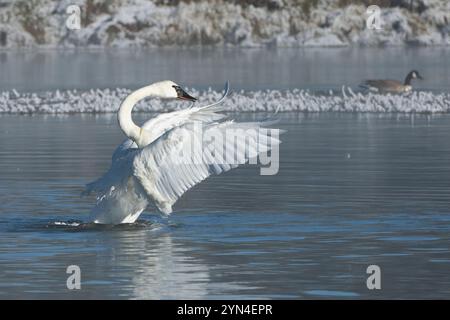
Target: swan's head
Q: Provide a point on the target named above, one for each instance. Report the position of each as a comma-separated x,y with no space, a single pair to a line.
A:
170,90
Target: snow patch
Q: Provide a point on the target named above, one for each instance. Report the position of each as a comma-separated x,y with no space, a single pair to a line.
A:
293,23
108,100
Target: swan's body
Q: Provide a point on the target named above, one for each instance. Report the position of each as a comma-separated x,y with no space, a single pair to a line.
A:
144,167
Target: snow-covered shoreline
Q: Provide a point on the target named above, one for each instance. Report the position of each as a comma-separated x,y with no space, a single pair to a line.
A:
108,101
243,23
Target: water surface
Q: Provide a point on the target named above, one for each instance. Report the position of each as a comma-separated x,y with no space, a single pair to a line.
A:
353,190
318,69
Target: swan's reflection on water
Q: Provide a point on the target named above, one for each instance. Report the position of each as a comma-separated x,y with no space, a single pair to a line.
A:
158,266
136,261
168,271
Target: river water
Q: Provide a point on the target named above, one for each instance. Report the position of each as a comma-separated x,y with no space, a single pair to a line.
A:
353,189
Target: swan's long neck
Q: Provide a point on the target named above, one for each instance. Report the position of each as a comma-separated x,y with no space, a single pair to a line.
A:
126,123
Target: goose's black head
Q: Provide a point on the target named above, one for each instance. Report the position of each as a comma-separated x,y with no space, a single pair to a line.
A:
414,74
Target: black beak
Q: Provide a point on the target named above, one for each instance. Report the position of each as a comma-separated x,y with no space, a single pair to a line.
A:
419,77
186,96
183,95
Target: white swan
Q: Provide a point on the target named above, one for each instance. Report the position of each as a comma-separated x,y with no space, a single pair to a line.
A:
146,167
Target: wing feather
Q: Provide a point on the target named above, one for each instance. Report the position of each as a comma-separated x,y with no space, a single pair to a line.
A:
173,175
157,126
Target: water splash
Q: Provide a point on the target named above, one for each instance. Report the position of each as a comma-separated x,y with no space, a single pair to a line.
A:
77,225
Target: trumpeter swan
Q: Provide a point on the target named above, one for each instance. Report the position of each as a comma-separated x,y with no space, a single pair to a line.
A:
146,167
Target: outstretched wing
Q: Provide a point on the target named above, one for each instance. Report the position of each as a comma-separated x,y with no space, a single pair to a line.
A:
164,122
180,159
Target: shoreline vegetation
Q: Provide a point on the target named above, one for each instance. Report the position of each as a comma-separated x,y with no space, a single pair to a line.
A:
221,23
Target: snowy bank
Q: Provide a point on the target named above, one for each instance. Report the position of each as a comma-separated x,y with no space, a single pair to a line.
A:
247,23
108,100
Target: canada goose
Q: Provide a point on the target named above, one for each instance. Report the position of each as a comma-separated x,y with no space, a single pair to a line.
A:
392,86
